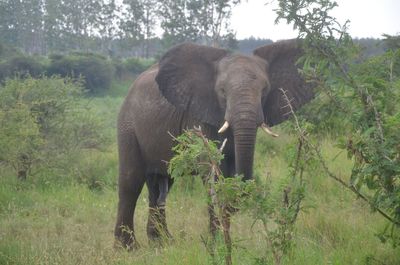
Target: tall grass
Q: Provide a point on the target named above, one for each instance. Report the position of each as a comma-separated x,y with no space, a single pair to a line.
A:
46,220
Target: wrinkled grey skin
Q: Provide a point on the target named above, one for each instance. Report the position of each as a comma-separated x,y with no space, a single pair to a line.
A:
197,85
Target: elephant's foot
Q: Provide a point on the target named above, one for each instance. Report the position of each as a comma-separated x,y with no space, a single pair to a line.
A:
157,230
123,245
159,238
125,239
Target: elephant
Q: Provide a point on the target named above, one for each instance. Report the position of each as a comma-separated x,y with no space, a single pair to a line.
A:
228,95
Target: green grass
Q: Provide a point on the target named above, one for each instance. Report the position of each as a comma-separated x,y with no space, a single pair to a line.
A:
72,224
48,220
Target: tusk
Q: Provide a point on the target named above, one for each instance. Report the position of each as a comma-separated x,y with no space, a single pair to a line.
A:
224,127
268,130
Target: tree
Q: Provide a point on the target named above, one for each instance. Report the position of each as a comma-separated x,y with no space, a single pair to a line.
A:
364,100
213,19
80,21
43,119
205,21
32,18
138,22
10,24
178,21
149,21
392,42
107,27
21,24
53,23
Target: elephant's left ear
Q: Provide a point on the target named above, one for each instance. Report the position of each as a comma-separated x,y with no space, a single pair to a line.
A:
186,78
283,73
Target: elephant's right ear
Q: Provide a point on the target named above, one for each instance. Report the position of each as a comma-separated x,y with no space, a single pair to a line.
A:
186,78
284,73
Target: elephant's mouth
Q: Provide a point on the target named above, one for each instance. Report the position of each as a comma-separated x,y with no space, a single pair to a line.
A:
263,126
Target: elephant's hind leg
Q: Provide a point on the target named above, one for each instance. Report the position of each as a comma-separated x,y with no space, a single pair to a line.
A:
130,184
158,186
163,191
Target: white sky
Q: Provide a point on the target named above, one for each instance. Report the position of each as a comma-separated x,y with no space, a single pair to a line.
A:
368,18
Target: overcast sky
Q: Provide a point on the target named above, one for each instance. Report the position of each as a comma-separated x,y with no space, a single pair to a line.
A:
368,18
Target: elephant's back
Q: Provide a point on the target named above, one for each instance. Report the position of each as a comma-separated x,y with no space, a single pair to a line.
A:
144,100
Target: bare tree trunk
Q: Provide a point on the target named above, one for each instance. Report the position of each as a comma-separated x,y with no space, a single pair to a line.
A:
226,226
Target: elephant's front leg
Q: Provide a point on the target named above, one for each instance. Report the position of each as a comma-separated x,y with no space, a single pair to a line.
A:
158,186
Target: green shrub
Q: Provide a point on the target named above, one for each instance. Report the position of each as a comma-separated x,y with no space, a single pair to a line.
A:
43,121
8,52
275,207
120,70
137,65
362,96
131,66
55,56
96,71
95,170
21,65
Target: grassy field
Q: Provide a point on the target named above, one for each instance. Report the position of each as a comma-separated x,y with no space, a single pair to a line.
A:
51,220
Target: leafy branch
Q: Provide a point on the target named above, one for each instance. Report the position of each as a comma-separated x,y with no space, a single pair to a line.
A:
304,140
363,96
196,154
277,211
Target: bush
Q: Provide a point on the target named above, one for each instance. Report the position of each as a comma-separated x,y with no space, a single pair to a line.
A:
120,70
7,52
43,121
96,170
137,65
364,97
276,209
132,66
22,65
96,71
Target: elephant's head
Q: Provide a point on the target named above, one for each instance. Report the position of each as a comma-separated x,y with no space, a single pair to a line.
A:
236,91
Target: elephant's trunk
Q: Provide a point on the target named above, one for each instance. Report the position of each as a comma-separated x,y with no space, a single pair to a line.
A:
244,131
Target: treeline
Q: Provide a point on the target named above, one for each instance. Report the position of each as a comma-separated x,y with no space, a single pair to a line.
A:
112,27
97,71
126,28
371,47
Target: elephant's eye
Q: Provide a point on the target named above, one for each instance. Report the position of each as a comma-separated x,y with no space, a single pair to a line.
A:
264,93
222,92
